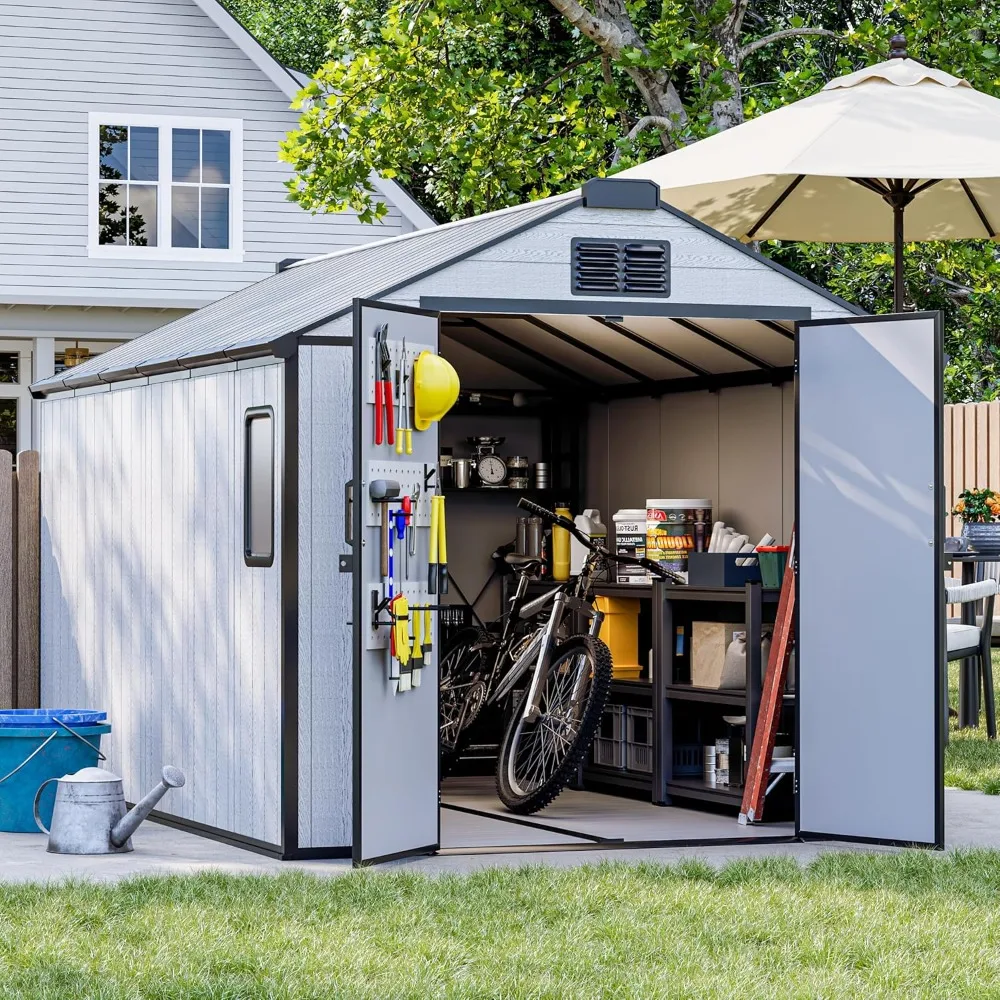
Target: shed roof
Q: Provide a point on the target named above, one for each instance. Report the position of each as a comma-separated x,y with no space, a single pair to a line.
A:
267,318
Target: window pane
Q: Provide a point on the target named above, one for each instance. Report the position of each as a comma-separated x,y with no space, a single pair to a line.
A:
259,498
111,213
142,215
8,425
9,367
215,218
214,157
114,152
186,155
145,163
184,224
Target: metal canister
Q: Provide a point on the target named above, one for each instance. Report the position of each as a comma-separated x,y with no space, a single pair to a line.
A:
542,480
533,539
521,537
462,472
517,482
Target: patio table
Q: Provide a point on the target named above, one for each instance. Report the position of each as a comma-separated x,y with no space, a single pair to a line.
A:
969,681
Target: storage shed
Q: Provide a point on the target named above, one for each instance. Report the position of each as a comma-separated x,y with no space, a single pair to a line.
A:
210,554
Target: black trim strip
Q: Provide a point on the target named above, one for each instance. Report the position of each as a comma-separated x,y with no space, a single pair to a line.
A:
624,845
662,352
217,833
485,307
398,856
709,383
806,835
579,345
686,324
779,201
290,611
520,821
987,225
327,341
528,352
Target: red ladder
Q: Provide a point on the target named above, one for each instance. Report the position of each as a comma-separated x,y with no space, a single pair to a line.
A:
772,691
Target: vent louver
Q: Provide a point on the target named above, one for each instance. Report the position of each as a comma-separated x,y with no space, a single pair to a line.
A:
620,267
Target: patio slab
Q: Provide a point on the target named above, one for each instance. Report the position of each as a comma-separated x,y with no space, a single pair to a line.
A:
973,821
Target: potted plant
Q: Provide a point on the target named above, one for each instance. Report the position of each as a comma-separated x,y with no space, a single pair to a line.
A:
979,510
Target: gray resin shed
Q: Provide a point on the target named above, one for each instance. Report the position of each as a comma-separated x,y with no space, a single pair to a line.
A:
208,575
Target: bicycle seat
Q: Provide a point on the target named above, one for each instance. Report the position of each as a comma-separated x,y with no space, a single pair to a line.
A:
527,563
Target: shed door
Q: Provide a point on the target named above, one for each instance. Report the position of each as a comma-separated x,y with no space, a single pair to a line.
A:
871,613
395,729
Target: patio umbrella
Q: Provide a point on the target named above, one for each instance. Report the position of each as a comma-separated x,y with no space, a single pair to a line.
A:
894,152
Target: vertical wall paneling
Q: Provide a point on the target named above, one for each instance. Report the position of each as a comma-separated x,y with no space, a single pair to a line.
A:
689,435
636,447
7,679
325,664
27,579
148,608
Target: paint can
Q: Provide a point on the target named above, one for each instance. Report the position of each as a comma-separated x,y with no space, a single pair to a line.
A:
630,540
670,530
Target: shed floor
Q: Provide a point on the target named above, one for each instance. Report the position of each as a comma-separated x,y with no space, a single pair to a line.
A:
586,817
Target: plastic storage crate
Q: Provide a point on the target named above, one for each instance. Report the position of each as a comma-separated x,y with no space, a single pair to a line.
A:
687,760
639,739
609,744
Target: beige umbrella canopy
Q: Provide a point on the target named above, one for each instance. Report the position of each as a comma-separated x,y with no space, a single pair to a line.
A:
898,151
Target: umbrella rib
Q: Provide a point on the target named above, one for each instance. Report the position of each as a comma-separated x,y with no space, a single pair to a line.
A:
990,231
877,186
926,185
777,204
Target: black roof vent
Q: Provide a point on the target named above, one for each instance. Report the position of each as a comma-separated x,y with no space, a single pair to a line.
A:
620,267
621,192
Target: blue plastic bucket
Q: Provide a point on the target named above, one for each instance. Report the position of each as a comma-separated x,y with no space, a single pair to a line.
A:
35,747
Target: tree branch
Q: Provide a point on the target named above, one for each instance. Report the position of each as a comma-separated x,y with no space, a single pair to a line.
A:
647,121
759,43
552,79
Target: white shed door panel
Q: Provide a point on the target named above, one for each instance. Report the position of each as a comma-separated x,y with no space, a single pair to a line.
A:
871,617
395,734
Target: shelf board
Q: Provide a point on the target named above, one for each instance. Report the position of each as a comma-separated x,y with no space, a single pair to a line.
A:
632,689
721,595
617,776
695,788
715,696
642,592
499,491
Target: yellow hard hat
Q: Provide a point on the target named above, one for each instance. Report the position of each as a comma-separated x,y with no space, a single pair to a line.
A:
435,389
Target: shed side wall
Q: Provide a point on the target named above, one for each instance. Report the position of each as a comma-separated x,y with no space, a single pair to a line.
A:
148,609
325,665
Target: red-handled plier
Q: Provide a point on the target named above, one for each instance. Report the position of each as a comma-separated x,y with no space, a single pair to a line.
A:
383,388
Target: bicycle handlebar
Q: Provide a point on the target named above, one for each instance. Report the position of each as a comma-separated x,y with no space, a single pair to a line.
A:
585,539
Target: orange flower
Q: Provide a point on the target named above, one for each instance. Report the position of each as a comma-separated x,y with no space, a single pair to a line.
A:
960,506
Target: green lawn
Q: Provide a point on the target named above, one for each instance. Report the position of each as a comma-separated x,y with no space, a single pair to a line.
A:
972,761
850,926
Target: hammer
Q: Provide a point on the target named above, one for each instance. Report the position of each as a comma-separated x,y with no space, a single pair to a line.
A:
382,491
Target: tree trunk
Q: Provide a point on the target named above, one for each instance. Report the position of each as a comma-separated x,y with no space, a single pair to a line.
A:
729,111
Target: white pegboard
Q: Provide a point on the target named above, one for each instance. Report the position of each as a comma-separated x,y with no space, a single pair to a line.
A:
409,475
395,352
416,593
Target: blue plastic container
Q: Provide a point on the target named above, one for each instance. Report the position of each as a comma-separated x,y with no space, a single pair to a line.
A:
57,751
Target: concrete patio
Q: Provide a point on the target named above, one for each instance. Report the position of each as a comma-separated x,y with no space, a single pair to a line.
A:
973,820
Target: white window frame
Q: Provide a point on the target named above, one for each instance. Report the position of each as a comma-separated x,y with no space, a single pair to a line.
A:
166,124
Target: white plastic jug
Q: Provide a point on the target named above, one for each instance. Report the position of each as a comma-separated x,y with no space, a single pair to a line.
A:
589,522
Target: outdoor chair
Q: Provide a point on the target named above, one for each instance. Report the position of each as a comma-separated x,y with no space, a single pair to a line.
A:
973,641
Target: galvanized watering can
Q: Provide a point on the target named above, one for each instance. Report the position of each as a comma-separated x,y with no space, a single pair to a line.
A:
89,815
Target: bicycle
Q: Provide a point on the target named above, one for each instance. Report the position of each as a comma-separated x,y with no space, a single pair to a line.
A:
555,720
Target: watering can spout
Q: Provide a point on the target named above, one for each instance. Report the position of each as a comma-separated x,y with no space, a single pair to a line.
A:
173,777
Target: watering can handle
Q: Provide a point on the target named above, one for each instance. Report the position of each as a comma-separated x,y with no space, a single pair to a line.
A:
38,795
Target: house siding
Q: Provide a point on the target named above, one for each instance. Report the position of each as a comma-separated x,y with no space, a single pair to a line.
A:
148,609
61,60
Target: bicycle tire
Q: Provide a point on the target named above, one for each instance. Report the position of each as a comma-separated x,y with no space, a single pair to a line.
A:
531,801
458,675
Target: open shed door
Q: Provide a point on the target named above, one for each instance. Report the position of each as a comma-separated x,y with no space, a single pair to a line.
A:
396,769
871,631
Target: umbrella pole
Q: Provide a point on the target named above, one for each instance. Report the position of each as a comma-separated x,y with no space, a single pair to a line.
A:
897,278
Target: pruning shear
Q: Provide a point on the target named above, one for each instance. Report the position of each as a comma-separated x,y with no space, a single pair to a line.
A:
383,388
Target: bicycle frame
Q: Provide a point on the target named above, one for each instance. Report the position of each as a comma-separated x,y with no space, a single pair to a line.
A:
539,650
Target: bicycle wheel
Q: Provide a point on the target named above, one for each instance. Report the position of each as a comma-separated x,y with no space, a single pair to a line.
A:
538,758
463,683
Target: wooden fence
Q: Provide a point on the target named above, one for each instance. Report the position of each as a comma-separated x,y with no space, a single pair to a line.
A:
971,451
20,525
